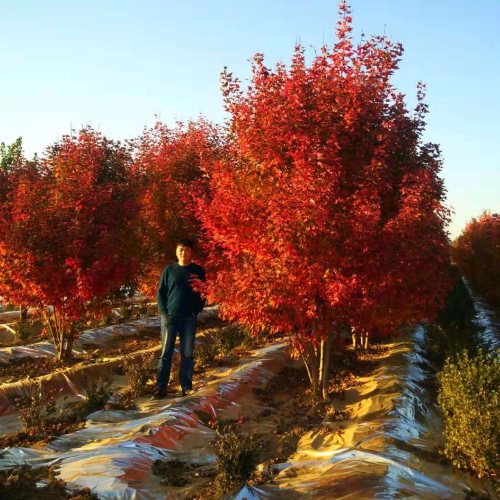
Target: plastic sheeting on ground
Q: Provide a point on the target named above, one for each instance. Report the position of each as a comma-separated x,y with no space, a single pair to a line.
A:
14,315
7,334
63,384
96,337
9,316
69,381
488,323
33,351
102,336
387,448
114,454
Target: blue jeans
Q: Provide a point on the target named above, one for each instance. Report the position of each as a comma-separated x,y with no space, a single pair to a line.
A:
185,326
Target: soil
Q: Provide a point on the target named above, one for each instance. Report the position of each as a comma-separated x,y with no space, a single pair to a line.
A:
174,472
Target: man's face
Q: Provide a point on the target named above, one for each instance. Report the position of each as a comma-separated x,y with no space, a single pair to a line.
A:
184,255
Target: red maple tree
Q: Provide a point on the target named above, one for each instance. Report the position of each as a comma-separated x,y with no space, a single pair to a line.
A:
326,213
171,166
13,164
66,232
477,253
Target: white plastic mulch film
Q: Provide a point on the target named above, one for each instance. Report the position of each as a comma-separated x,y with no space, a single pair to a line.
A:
114,454
489,325
12,354
96,337
69,381
385,449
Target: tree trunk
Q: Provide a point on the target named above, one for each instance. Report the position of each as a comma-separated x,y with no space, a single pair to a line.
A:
310,358
327,353
317,362
356,338
70,339
364,341
62,337
23,312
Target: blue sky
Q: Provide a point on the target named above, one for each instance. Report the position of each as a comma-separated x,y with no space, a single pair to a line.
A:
118,64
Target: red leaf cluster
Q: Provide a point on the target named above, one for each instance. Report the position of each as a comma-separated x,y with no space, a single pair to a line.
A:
321,210
171,166
477,253
65,226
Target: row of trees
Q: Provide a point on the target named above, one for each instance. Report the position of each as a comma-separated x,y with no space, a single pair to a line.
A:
477,253
318,207
94,217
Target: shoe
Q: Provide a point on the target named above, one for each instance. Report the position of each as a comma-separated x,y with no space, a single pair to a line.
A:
159,394
187,392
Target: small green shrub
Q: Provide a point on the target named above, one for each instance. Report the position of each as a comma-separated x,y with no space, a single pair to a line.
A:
218,343
134,311
237,457
124,400
98,392
173,472
27,328
37,409
469,397
231,337
456,329
206,352
139,371
23,482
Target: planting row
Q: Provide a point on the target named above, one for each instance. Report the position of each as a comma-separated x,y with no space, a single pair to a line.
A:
114,454
256,431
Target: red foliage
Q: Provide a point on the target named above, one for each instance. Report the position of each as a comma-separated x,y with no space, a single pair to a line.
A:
170,165
327,211
477,253
66,228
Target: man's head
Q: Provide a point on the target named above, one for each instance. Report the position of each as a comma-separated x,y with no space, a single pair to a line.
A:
184,252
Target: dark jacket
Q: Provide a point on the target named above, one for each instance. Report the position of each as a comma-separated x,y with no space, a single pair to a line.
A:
175,295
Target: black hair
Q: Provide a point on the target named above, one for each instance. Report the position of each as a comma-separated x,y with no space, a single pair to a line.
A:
185,243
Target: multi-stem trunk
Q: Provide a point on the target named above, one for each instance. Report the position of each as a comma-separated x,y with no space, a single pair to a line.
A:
62,331
359,338
317,362
311,362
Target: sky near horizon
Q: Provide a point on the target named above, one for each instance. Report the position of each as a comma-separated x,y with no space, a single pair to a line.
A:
118,65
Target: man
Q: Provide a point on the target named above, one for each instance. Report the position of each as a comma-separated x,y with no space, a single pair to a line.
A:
179,306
